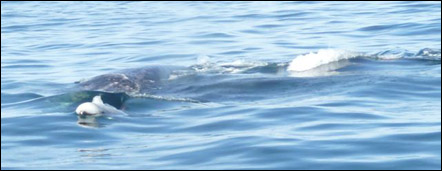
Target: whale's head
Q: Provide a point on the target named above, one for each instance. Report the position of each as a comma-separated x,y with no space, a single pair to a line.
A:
89,108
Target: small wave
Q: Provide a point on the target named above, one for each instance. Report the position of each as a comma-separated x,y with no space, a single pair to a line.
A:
324,56
393,54
14,99
430,54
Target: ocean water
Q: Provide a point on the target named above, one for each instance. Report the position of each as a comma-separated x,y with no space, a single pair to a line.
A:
265,85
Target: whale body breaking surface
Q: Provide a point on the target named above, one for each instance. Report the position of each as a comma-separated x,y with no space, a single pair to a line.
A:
157,81
139,80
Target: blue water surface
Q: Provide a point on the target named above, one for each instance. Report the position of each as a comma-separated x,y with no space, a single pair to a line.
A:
240,107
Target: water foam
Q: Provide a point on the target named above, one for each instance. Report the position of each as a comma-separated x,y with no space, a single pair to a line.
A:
240,66
324,56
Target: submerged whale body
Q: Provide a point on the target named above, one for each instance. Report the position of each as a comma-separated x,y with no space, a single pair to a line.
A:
140,80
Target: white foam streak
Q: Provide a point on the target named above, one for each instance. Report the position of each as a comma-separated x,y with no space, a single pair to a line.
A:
239,66
164,98
206,65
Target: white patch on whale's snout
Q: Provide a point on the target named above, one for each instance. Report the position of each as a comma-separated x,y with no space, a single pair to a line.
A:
88,108
96,108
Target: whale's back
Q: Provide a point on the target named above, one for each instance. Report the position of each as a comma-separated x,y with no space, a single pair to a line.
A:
129,81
